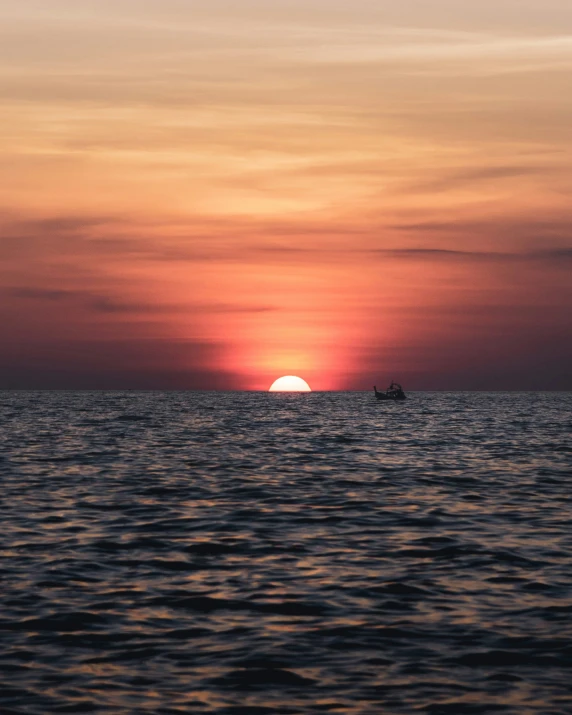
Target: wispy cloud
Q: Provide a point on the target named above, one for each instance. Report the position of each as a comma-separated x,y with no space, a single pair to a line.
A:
101,303
423,47
454,180
551,255
276,177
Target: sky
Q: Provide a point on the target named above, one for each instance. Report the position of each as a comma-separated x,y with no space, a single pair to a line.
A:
211,194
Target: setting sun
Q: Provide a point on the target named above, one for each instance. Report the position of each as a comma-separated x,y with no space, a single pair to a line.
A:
290,383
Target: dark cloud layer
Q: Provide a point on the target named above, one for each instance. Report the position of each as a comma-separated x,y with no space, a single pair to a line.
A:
114,364
511,333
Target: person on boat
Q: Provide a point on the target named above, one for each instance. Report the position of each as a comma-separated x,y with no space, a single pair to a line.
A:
395,390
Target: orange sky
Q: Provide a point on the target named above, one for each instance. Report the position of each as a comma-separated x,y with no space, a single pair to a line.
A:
214,194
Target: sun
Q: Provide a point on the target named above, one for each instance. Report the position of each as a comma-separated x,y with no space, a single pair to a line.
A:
289,383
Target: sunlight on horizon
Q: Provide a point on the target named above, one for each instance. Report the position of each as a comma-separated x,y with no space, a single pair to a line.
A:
290,383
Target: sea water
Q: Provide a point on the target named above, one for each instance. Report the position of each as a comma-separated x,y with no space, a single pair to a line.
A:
249,553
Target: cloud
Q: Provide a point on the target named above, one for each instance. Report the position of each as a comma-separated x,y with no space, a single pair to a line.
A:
553,256
424,46
100,303
93,245
435,254
25,292
460,179
105,364
498,226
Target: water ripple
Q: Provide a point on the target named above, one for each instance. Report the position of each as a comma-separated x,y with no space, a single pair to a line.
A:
252,553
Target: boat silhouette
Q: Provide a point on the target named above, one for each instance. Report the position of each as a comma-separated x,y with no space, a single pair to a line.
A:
393,392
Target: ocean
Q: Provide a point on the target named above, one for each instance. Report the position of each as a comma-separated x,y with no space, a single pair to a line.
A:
255,553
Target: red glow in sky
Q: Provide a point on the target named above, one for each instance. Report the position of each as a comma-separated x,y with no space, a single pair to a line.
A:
212,195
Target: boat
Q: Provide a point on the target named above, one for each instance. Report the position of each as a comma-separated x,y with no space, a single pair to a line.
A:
393,392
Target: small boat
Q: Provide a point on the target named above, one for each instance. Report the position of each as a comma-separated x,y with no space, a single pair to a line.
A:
393,392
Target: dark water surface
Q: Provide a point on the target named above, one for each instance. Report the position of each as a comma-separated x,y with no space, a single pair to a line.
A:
262,553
